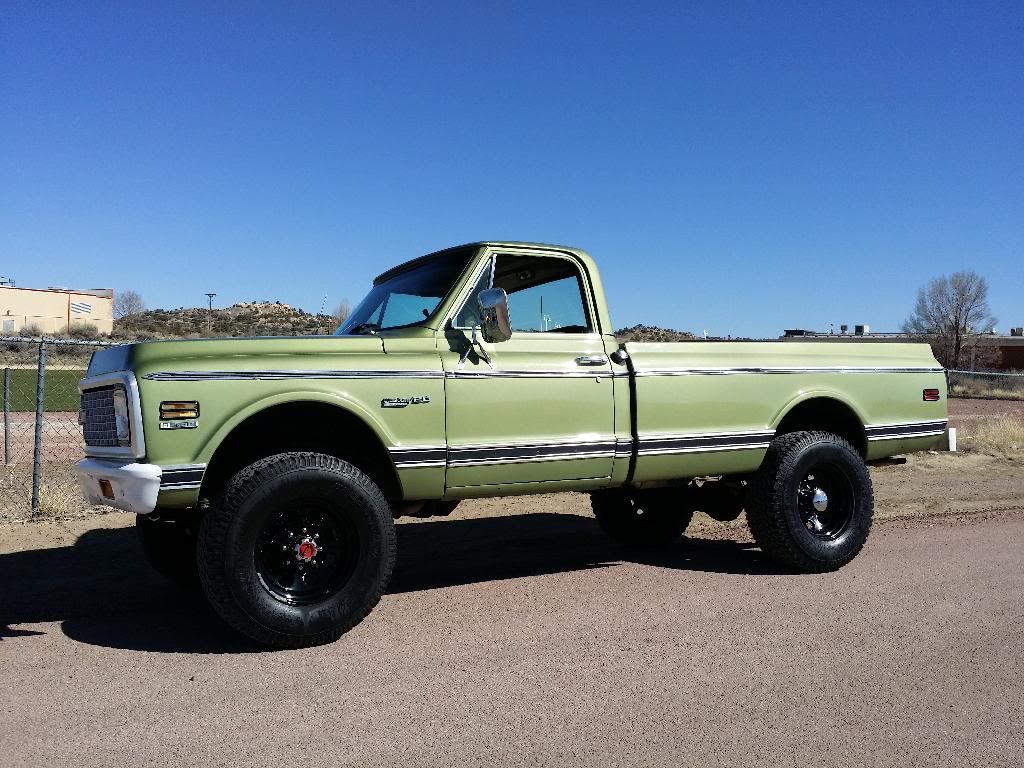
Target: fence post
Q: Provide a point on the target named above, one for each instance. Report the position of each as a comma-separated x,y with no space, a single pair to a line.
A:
7,416
37,450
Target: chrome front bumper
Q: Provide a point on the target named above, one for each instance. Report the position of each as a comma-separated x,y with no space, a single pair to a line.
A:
134,487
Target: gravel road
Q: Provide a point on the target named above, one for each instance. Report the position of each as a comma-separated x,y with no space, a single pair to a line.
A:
527,639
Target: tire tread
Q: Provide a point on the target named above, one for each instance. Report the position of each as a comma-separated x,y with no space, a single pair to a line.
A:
214,532
765,505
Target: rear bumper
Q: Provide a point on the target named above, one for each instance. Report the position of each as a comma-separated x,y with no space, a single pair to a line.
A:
134,487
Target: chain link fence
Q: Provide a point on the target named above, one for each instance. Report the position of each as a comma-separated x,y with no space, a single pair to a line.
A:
42,439
996,385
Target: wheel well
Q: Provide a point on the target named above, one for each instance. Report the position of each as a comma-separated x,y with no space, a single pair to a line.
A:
829,415
304,426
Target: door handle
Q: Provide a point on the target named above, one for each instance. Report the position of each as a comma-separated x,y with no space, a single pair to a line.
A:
592,360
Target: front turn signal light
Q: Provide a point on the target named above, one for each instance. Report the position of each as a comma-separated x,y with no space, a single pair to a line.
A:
179,409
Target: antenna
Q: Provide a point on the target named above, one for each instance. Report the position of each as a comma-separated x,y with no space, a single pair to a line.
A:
320,317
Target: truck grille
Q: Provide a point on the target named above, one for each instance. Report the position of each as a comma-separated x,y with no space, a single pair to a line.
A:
97,417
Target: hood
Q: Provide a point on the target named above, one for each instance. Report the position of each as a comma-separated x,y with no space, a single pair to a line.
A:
231,353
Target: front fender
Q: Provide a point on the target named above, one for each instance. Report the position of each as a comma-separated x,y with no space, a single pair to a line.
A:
209,446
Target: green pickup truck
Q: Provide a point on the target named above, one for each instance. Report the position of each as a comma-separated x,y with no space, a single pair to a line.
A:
270,470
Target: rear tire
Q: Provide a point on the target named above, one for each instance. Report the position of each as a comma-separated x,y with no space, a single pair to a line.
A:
811,502
298,549
170,547
636,518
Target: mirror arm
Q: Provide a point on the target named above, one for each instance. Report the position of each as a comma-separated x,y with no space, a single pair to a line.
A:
474,341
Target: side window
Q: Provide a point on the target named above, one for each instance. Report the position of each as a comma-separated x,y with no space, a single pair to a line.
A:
545,294
469,315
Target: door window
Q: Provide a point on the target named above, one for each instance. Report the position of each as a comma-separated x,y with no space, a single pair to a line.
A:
545,294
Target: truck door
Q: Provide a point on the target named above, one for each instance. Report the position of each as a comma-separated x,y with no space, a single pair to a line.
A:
542,409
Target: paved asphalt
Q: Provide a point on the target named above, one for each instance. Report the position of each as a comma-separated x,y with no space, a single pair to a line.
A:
528,640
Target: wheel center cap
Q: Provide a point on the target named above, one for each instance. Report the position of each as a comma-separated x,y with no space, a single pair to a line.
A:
820,500
305,550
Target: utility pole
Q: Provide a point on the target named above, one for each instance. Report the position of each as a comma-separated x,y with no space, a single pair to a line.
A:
209,315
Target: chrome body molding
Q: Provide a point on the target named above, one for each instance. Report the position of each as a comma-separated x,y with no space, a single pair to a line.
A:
715,371
526,374
911,429
284,375
182,477
506,374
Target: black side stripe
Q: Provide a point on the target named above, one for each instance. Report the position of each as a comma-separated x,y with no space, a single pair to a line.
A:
696,443
428,456
649,445
467,455
890,431
181,477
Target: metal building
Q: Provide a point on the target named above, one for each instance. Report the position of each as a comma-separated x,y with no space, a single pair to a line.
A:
54,310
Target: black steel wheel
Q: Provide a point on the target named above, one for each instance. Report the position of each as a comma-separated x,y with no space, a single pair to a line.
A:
810,503
651,518
306,552
825,500
297,550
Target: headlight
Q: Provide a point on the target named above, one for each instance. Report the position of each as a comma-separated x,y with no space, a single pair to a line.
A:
123,426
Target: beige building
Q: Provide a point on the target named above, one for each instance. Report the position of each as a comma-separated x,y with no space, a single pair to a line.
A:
54,310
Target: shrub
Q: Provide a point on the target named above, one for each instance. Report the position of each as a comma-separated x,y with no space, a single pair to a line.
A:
32,330
83,331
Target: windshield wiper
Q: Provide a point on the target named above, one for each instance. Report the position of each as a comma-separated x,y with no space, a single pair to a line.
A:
372,328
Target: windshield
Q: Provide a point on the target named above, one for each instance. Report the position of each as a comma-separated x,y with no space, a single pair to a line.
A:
408,298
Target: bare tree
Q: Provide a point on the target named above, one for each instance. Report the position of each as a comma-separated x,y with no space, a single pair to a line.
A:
954,312
341,311
127,304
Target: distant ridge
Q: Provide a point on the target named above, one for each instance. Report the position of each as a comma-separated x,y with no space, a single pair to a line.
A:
652,333
258,318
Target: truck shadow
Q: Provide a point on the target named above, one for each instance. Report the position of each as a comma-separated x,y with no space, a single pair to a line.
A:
103,592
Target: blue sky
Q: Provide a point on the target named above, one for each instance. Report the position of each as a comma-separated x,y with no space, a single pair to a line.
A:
739,168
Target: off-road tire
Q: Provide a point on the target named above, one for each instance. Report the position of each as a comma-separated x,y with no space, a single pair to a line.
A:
773,506
230,548
170,547
636,518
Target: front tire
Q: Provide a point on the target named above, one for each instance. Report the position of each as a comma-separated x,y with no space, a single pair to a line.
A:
636,518
298,549
811,502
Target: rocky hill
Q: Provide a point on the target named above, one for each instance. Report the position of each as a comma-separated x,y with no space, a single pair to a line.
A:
258,318
652,333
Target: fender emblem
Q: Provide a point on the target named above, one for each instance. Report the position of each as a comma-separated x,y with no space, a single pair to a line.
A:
402,402
190,424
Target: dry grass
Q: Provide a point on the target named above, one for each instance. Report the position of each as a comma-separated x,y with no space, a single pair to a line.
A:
984,391
997,436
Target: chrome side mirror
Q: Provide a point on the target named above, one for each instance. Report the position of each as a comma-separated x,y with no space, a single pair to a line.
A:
494,322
